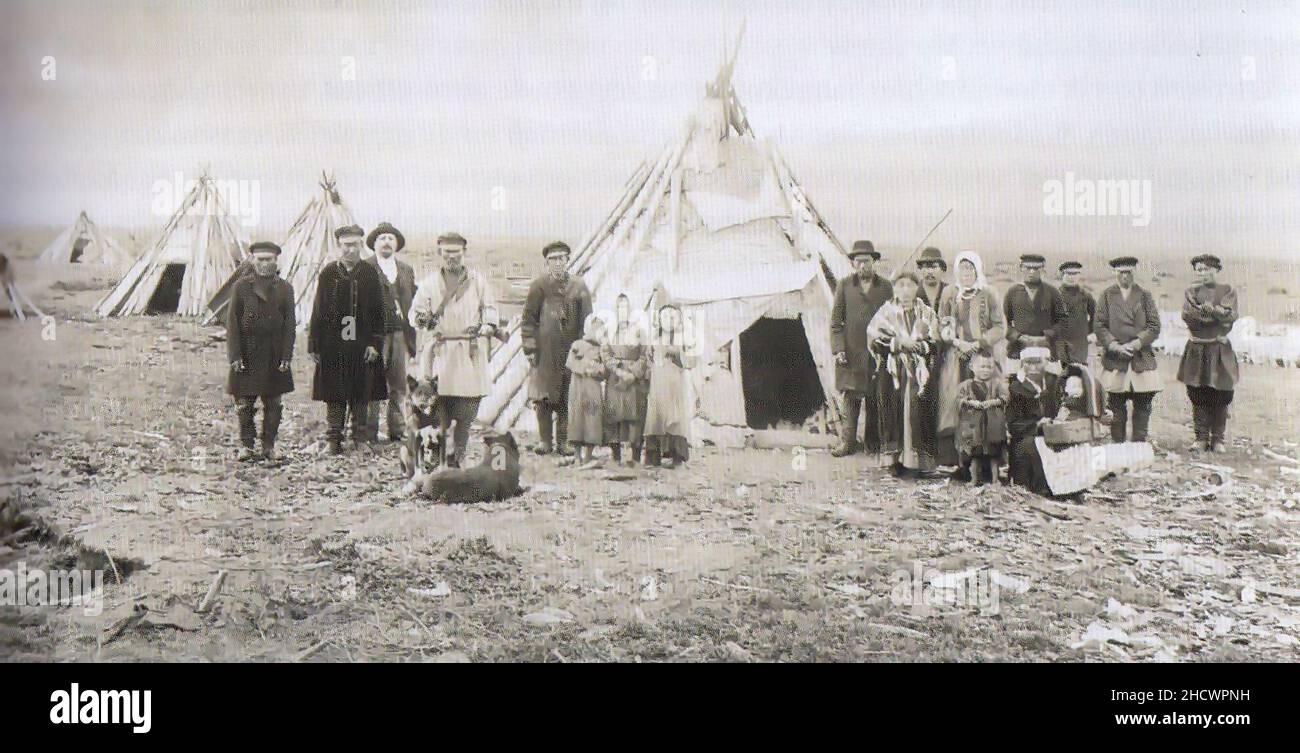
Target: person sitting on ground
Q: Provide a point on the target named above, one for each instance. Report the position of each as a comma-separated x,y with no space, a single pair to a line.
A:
982,430
585,404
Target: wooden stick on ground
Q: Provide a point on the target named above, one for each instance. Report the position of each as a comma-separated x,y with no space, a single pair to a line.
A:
213,590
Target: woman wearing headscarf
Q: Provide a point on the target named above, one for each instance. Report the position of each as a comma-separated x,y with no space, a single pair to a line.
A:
904,336
626,355
669,408
970,321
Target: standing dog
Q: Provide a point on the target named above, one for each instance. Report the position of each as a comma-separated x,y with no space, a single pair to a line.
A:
424,445
495,478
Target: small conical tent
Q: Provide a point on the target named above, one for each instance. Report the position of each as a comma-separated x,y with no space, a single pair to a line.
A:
83,243
720,224
308,246
199,248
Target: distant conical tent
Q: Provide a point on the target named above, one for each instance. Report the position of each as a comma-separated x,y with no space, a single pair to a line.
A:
83,243
720,225
308,246
199,248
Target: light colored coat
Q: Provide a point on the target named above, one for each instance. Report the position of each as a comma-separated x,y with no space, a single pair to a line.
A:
461,365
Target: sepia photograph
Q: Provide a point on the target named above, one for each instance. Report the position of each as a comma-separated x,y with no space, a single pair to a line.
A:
572,332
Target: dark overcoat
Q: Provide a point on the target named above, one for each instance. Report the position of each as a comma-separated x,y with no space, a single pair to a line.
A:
851,312
260,331
1072,333
347,316
554,312
1038,316
1209,360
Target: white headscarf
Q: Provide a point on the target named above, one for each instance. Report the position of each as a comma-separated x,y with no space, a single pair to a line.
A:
973,258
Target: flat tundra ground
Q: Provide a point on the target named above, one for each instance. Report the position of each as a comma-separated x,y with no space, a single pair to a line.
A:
118,448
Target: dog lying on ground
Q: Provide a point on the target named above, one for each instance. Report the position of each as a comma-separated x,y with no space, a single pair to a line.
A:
422,448
494,479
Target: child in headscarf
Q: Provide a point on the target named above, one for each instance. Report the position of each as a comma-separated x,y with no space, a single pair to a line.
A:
587,370
668,409
627,357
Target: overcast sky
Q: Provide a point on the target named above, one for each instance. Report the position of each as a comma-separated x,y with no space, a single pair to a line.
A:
889,112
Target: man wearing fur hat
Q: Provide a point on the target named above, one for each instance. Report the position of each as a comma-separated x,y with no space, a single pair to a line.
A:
1209,365
455,305
260,331
857,298
1126,325
398,281
554,311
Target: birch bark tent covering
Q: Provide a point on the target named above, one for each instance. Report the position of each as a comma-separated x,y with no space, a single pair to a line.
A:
199,248
720,223
83,243
308,246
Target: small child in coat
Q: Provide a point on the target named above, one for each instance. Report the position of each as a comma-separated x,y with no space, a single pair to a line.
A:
982,425
586,396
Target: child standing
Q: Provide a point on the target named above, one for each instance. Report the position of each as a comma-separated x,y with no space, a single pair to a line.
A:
626,356
585,410
982,426
668,409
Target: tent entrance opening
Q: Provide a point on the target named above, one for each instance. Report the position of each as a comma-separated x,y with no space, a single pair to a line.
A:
778,374
79,249
166,298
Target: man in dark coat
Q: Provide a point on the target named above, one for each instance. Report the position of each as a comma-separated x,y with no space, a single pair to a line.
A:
1033,402
1075,331
260,331
1126,325
1209,365
345,340
554,311
1033,309
398,281
857,297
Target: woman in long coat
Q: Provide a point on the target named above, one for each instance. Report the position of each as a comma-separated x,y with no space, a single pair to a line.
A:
970,321
904,334
669,409
1209,365
625,353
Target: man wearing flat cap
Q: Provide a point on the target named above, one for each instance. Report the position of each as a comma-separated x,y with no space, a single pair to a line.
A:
260,331
1126,325
558,303
857,298
456,308
345,340
398,282
1033,310
1075,331
1209,365
932,268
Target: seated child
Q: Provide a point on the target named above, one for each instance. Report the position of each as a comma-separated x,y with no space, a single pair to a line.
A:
981,426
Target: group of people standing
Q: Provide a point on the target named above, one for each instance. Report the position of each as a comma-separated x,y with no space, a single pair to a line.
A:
592,382
945,373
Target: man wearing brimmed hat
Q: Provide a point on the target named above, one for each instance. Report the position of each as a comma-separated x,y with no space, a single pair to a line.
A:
457,309
1075,331
260,331
1033,309
1209,365
932,268
1126,325
398,281
554,311
345,339
857,298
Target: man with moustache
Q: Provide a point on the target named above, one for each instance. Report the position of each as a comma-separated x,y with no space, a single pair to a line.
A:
398,281
345,339
857,298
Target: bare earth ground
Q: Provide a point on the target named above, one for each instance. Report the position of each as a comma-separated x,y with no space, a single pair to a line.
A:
118,441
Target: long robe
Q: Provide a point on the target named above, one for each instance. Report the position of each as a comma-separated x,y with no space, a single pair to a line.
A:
554,313
974,318
982,431
457,359
1209,360
1072,333
905,406
851,312
346,318
627,387
669,408
585,403
260,331
1122,319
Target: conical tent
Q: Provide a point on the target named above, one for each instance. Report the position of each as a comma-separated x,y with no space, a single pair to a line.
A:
308,246
199,248
722,226
83,243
